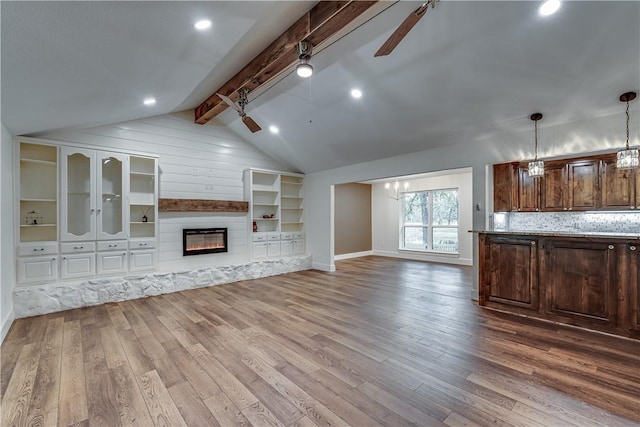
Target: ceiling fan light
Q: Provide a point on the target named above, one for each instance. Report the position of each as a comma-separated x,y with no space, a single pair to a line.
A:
304,69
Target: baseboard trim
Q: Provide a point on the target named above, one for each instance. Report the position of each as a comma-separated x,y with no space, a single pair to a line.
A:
426,257
352,255
6,325
330,268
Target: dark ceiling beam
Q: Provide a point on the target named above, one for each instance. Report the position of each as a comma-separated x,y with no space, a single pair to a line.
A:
324,20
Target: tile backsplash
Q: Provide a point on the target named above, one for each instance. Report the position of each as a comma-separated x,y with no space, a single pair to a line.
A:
572,222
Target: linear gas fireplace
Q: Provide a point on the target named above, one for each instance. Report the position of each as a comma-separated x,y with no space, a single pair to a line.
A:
198,241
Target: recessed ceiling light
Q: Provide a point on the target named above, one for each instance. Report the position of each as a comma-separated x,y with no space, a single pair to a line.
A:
549,7
356,93
274,129
149,101
202,24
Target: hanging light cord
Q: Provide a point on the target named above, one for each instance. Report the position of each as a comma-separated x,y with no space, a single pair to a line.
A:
627,145
536,136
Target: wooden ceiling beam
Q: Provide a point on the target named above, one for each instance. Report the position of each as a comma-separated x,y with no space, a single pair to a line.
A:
325,19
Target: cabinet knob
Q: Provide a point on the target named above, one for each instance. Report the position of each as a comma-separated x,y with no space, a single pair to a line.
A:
570,209
564,209
611,247
92,210
533,243
633,207
537,209
99,210
632,248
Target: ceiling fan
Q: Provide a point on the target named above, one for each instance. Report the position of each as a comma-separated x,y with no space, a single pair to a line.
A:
404,28
239,107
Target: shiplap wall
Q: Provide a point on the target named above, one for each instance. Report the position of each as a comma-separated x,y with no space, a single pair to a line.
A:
195,162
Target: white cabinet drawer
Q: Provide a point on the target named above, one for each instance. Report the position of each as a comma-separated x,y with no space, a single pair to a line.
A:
286,236
114,245
142,244
273,249
142,260
287,247
37,269
298,235
273,236
78,265
38,249
112,262
259,237
77,247
259,250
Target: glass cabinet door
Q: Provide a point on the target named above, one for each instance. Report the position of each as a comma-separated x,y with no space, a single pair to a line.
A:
78,189
110,203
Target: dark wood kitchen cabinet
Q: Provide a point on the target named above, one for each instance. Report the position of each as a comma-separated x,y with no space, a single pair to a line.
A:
583,184
513,189
510,271
620,187
553,187
591,282
580,280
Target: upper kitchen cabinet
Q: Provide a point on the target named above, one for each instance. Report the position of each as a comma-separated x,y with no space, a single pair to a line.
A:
619,186
514,189
583,184
92,195
553,187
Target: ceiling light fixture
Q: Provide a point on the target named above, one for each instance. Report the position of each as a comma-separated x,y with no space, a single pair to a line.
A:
536,167
274,129
304,69
149,101
627,158
202,24
549,7
356,93
396,194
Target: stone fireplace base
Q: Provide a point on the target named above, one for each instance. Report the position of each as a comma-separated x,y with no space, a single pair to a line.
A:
51,297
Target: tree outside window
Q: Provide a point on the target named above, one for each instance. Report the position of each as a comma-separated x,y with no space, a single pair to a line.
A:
430,221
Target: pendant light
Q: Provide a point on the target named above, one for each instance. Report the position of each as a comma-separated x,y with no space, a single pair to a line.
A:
627,158
536,167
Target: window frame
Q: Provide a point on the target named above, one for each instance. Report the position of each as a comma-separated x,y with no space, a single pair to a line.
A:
429,226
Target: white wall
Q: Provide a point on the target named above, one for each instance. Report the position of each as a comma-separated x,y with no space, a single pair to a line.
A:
386,212
7,271
195,162
580,137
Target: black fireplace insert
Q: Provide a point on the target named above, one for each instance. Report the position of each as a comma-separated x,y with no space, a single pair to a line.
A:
198,241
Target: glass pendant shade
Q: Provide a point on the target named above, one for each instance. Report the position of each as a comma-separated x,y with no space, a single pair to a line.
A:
536,168
627,159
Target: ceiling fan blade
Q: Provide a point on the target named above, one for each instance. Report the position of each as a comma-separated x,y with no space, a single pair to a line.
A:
251,124
402,31
231,104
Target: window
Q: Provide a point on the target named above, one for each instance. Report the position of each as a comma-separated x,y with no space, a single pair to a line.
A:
430,221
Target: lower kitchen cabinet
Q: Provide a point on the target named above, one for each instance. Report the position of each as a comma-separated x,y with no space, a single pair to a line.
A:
78,265
142,260
511,271
37,269
584,281
112,262
579,280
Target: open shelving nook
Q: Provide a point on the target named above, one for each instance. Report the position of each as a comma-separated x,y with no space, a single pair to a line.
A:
38,193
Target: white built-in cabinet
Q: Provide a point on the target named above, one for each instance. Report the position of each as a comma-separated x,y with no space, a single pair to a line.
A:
276,207
104,223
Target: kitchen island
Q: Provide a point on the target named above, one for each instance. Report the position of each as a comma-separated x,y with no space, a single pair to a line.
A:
590,280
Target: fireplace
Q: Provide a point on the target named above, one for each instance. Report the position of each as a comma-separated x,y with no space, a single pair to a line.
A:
198,241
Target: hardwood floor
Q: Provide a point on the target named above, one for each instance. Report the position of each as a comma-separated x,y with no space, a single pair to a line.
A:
381,342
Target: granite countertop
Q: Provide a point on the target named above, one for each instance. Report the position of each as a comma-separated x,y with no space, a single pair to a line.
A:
578,233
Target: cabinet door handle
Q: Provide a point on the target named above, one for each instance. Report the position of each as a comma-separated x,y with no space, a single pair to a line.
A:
78,247
143,244
632,248
38,249
533,243
611,247
113,246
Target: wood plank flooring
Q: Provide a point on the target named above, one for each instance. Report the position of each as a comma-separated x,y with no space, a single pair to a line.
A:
380,342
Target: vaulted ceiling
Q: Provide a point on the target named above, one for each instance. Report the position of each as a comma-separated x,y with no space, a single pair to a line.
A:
466,72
